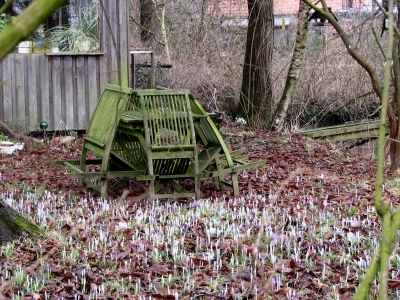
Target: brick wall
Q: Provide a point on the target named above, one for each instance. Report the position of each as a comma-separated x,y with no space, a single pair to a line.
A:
232,8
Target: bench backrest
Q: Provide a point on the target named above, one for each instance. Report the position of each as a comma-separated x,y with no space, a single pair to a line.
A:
169,130
113,101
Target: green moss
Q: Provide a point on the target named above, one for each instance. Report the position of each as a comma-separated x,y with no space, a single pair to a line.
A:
27,226
14,224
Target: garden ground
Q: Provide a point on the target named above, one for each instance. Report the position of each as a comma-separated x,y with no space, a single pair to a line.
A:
304,227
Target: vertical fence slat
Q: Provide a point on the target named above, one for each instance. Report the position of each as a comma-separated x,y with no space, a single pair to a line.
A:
93,93
113,64
56,92
81,92
19,69
32,91
123,39
69,94
45,91
7,96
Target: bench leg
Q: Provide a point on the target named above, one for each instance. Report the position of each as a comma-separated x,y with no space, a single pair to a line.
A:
235,184
151,190
103,188
197,187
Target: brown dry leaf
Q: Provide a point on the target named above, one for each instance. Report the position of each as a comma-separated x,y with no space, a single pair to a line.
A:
198,263
124,272
245,274
163,297
394,283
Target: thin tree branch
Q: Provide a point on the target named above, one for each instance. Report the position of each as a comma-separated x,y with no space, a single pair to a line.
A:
376,35
22,26
6,5
149,31
19,136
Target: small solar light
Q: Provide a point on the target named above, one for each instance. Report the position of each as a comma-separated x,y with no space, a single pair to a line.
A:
43,125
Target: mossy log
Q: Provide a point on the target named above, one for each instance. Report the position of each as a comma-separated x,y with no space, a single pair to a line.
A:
14,226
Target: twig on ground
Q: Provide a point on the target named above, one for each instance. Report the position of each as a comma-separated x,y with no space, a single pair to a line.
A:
17,135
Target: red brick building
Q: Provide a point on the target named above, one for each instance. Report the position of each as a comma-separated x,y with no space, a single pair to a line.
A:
237,8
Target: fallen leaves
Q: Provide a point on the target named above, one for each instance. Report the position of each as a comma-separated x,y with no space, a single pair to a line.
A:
304,224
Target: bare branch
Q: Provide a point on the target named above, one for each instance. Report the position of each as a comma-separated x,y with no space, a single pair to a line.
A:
149,31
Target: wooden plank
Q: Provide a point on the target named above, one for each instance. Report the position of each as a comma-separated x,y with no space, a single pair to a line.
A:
106,38
69,95
340,128
113,40
20,93
81,93
123,41
162,92
7,89
346,131
44,85
32,94
93,85
103,75
56,92
13,89
324,131
356,135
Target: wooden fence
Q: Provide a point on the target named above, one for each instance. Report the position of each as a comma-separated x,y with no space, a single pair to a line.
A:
66,87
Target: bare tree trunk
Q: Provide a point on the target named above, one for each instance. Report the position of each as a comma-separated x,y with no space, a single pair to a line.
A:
280,115
395,122
163,29
146,14
390,219
256,92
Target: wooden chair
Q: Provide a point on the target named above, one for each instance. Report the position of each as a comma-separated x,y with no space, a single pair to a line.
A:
100,139
170,141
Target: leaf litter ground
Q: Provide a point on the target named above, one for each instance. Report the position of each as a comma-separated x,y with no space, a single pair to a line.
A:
304,227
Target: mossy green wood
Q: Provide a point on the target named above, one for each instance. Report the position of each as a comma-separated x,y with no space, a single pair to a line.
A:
13,225
215,154
346,132
100,139
170,141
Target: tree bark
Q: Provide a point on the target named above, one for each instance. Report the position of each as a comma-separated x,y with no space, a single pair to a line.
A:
281,111
146,14
390,219
256,92
394,123
13,225
160,13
